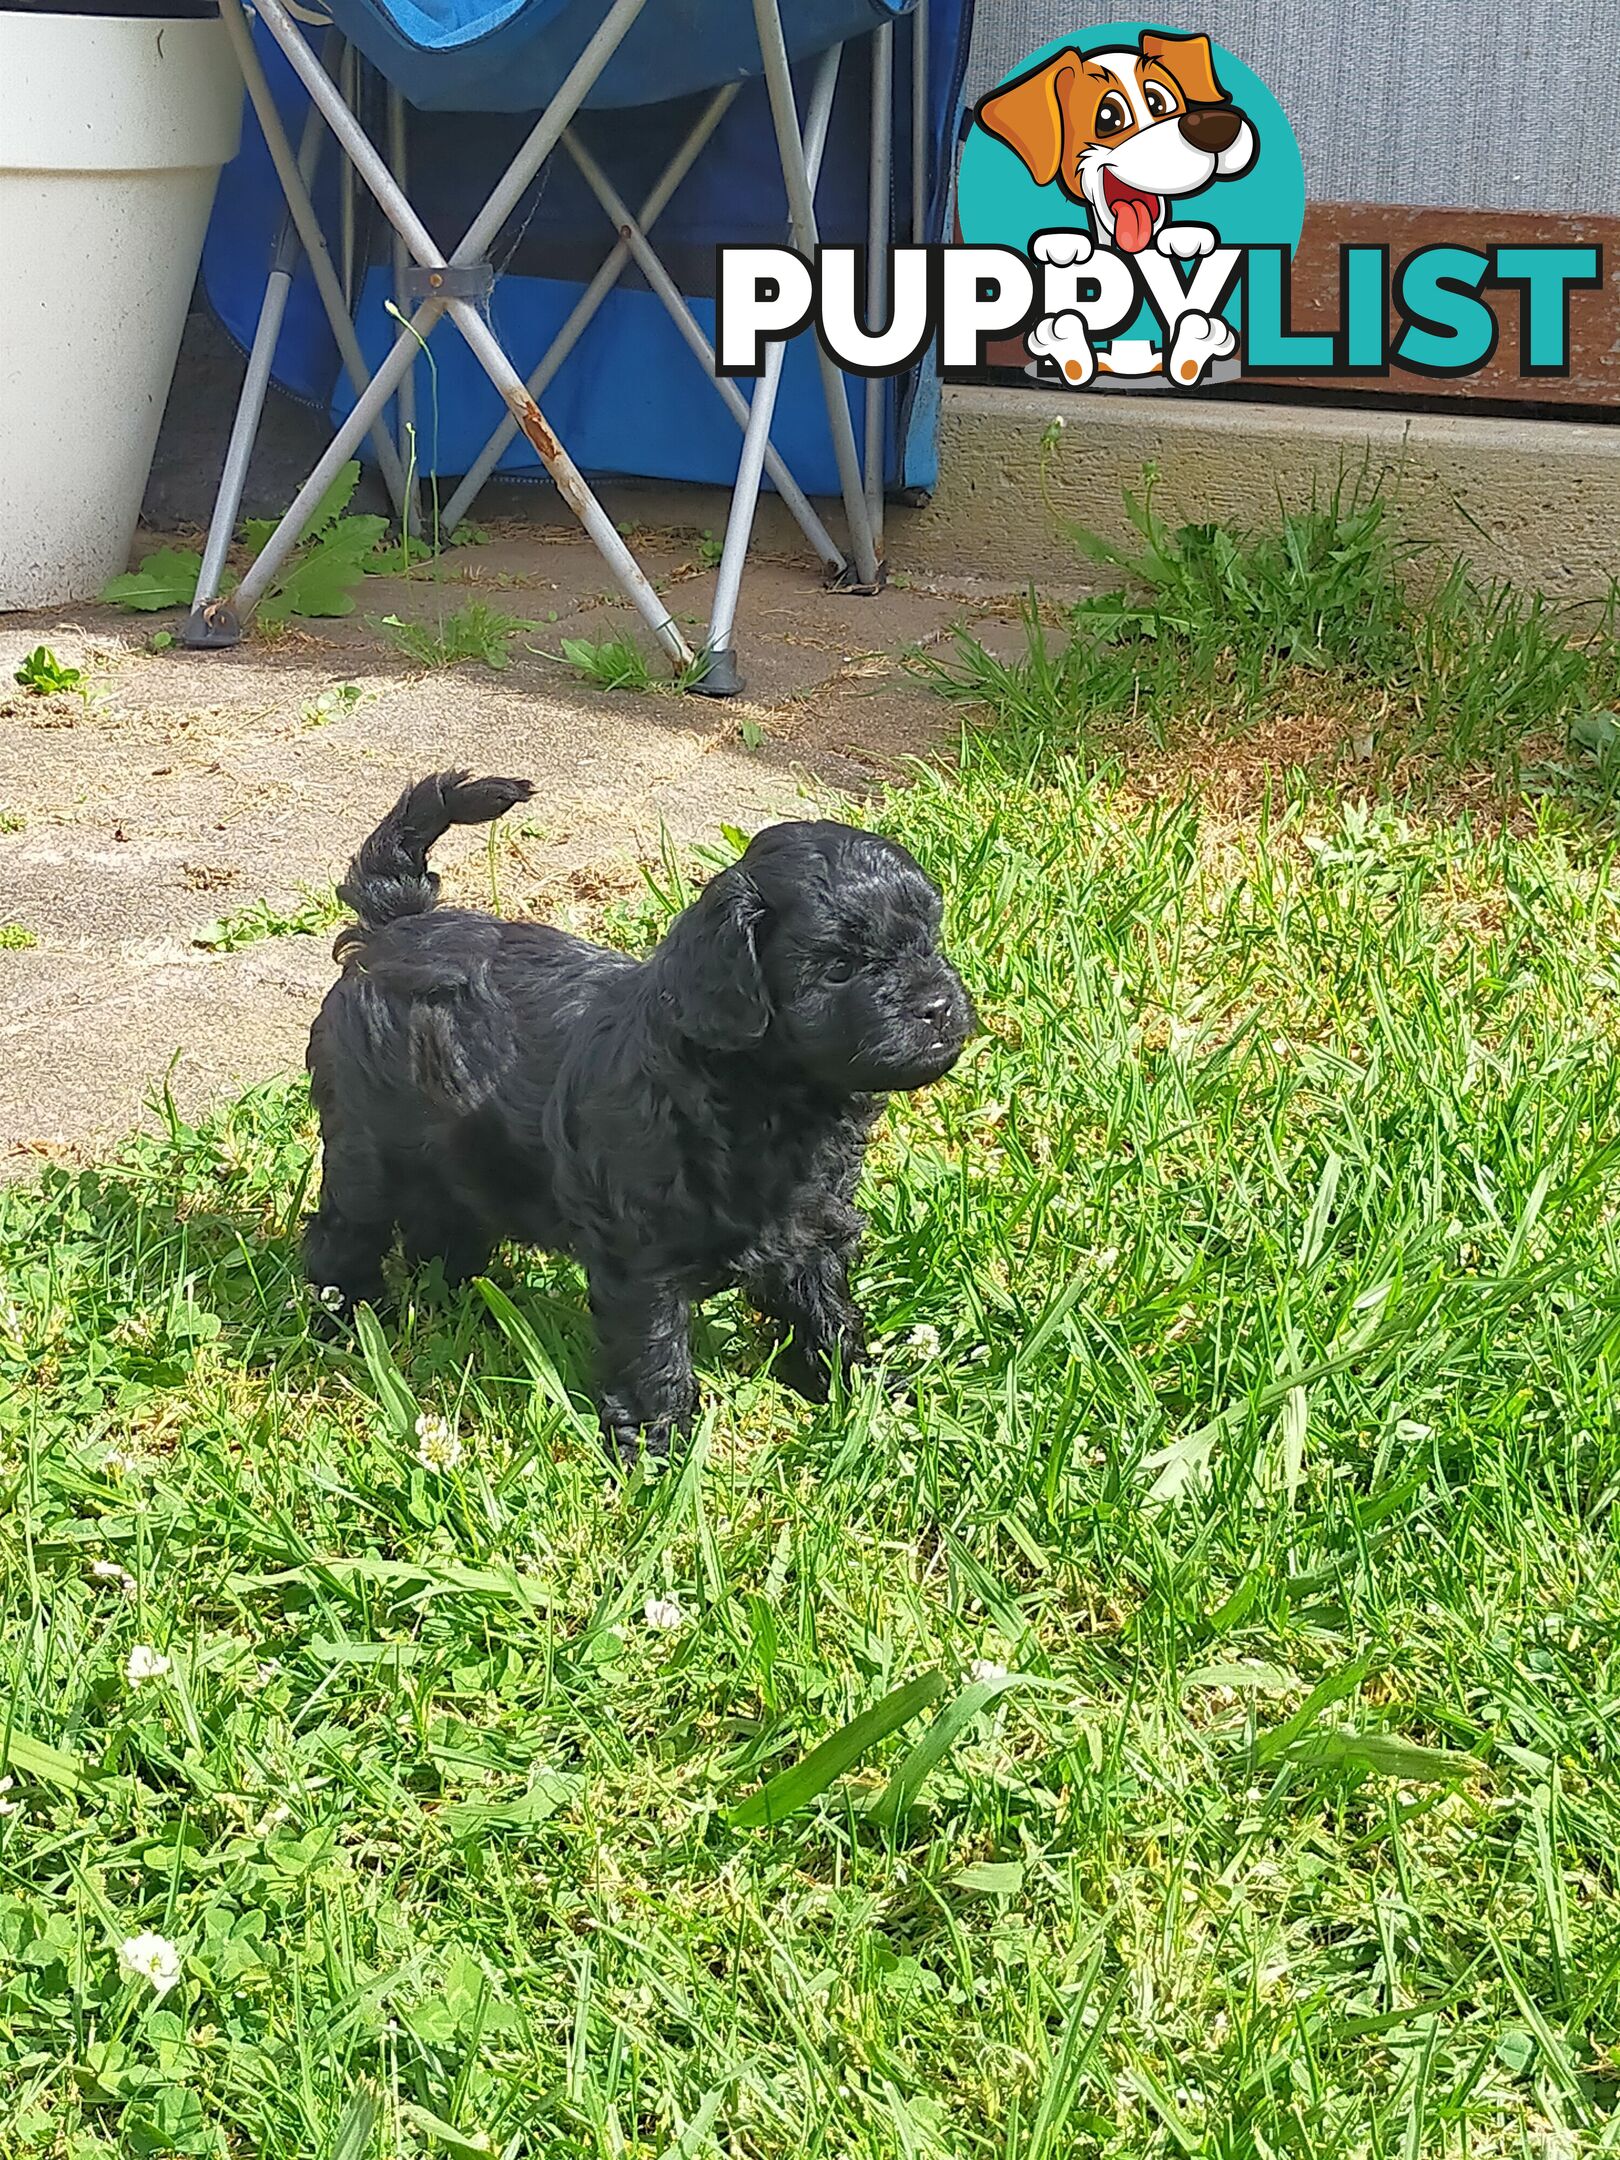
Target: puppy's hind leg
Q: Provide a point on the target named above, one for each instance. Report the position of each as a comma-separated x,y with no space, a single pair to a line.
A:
347,1236
646,1394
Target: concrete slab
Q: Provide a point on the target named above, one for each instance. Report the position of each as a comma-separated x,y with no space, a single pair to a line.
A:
1536,501
187,787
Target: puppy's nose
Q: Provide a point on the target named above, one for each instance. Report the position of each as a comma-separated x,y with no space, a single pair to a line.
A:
1211,127
948,1008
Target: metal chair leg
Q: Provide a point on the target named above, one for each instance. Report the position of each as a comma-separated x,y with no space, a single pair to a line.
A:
878,183
721,677
373,170
807,238
675,305
284,256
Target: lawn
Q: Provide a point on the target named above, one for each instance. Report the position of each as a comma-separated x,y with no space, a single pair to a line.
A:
1213,1651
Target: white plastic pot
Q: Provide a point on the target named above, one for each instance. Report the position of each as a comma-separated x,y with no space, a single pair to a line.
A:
112,134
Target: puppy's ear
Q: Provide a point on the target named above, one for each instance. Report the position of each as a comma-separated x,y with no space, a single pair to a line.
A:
710,978
1191,60
1028,116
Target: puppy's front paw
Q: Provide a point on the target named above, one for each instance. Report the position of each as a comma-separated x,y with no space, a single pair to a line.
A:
810,1372
1199,339
1065,248
628,1444
1189,242
1062,339
631,1435
331,1306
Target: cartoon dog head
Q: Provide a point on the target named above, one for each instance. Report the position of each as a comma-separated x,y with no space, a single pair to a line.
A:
1124,132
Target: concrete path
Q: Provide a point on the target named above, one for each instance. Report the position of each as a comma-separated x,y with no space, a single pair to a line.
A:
189,787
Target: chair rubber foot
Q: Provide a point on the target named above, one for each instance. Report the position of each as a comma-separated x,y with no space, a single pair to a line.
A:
215,628
721,676
849,580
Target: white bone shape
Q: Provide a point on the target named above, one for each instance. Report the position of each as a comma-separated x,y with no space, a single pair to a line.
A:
1063,339
1199,339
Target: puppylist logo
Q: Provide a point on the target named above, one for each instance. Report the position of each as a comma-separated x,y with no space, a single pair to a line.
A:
1130,201
1142,166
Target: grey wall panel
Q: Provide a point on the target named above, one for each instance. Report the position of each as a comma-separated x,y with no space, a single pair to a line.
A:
1468,104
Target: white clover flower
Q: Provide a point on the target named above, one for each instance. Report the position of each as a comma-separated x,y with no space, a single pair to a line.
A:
924,1340
437,1445
120,1462
144,1663
8,1806
110,1571
268,1670
151,1958
331,1296
984,1668
663,1613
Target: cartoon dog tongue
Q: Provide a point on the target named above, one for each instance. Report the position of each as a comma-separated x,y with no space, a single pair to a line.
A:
1134,213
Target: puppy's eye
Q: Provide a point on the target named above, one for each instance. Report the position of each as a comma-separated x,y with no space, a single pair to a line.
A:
841,970
1157,99
1113,115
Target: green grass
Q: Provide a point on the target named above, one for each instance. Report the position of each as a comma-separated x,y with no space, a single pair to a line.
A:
15,938
474,632
1183,1722
618,663
1329,615
311,915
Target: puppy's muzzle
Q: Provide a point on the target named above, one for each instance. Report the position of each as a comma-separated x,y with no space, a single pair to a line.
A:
1211,128
946,1013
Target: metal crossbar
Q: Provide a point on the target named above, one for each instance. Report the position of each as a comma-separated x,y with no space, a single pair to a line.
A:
590,301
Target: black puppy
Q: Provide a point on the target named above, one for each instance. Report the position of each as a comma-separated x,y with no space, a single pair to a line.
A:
678,1124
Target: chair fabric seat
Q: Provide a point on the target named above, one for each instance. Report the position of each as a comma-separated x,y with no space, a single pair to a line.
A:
630,401
511,55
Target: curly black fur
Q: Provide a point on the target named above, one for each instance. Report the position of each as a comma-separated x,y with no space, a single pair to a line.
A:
678,1124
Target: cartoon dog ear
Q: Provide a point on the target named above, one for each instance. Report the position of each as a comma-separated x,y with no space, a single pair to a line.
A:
1027,115
709,977
1191,61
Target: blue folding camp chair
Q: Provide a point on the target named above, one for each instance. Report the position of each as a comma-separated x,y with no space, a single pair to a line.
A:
576,62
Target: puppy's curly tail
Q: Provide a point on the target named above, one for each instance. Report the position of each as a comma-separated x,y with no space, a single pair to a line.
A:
389,875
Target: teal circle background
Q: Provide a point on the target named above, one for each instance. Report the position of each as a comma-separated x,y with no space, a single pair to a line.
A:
999,204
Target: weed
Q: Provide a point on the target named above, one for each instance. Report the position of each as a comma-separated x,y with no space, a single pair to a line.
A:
618,663
614,663
1216,625
750,734
314,913
44,675
474,632
319,578
709,550
331,704
12,821
14,938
